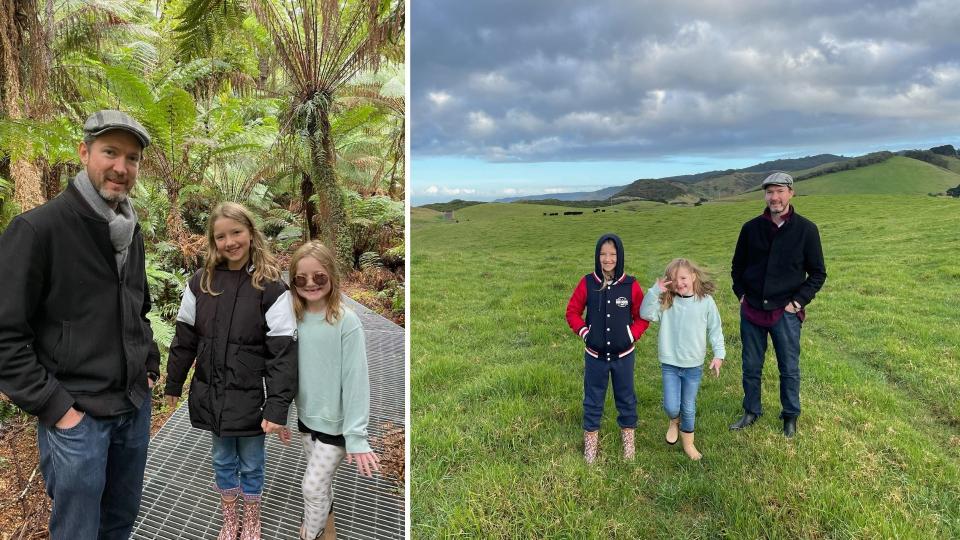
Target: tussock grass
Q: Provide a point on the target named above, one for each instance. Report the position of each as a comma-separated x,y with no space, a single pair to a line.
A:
497,382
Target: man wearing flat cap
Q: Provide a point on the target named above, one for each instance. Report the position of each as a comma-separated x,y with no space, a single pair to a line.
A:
777,269
76,349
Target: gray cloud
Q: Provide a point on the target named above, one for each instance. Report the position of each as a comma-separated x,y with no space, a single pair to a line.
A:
560,80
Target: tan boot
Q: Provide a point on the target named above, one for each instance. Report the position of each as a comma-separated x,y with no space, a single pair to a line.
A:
688,447
329,531
626,436
251,518
590,443
231,521
673,431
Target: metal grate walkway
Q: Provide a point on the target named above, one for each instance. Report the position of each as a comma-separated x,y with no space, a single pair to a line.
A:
178,497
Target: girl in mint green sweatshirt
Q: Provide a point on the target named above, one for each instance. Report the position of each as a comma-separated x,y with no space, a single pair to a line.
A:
688,316
333,396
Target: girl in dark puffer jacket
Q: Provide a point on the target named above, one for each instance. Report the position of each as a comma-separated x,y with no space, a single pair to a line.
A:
236,321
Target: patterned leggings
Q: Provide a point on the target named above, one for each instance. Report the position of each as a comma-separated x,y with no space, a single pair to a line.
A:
322,462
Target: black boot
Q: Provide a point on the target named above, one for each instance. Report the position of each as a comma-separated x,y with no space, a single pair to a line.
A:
789,426
744,421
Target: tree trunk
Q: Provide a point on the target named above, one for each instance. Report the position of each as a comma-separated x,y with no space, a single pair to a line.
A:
175,228
332,216
51,179
309,215
14,54
306,184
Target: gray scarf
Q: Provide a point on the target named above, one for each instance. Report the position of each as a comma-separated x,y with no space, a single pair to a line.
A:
122,221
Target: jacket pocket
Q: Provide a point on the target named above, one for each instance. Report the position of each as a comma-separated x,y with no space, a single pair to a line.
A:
62,352
203,367
249,370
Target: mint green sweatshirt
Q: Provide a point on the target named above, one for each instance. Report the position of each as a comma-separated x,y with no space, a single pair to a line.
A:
333,396
684,328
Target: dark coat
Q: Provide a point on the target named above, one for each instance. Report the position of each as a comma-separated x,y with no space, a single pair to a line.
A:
243,341
73,329
773,267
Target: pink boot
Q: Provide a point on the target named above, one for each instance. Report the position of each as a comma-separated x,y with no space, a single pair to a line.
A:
231,521
251,518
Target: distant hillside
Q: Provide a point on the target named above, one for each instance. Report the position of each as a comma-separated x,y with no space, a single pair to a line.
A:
569,203
897,175
598,195
750,178
797,164
653,190
455,204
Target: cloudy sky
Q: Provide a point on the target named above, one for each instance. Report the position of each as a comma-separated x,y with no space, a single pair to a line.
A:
526,97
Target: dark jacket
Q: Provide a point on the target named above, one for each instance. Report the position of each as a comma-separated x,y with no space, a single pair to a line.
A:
73,330
243,341
613,320
773,267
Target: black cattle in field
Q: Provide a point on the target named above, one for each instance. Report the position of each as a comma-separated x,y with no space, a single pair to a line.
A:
572,213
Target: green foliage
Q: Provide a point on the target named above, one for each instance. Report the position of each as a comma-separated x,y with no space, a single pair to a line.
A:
203,23
931,157
8,208
55,140
945,150
375,224
163,332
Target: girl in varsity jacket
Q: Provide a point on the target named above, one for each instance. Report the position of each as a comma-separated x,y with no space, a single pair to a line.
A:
612,302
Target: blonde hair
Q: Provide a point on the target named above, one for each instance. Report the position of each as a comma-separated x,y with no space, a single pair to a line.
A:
328,261
702,284
265,267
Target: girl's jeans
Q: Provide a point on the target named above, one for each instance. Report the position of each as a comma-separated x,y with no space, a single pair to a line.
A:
596,373
680,386
238,464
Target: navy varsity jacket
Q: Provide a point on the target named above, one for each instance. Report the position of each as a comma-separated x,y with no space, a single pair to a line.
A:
613,320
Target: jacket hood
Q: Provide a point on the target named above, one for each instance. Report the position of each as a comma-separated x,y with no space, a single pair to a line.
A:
618,270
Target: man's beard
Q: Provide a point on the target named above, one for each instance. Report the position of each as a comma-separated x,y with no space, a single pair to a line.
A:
112,196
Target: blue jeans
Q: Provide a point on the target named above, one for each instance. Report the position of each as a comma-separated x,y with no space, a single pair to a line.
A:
94,474
238,464
785,335
596,373
680,387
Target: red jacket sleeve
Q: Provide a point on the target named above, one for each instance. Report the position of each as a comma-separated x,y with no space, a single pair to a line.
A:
639,325
578,301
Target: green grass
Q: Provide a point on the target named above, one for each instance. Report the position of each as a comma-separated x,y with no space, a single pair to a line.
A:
496,379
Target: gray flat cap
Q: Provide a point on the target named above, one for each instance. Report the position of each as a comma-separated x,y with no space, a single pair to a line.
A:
106,120
777,179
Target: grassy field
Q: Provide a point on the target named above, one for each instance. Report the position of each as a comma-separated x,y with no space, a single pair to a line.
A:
496,379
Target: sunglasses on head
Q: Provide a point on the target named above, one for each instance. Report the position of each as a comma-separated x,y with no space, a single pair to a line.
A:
319,278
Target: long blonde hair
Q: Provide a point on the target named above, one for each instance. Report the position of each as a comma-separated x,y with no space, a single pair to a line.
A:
702,283
328,260
265,267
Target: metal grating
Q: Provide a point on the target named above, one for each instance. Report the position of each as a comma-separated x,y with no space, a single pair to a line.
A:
178,497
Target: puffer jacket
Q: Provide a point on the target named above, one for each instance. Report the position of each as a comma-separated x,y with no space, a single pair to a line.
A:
243,341
613,320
